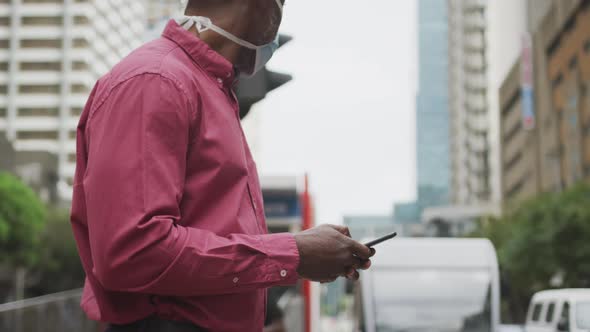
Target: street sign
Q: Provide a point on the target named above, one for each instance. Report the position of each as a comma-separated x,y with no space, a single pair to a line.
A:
527,83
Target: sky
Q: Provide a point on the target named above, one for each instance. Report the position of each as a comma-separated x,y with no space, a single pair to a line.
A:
348,117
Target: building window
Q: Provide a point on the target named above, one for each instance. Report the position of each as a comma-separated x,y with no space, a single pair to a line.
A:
38,111
79,88
25,135
5,21
2,112
556,82
80,65
587,46
509,107
573,63
4,43
586,128
513,161
553,47
81,20
512,191
43,21
80,43
570,24
512,132
41,43
32,89
76,111
3,89
40,66
3,66
72,157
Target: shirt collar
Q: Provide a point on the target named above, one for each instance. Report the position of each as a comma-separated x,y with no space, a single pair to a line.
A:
214,63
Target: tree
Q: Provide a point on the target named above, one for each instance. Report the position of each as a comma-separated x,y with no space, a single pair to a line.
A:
21,222
59,268
543,243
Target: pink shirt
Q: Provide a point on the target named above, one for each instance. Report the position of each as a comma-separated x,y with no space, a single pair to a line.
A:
167,209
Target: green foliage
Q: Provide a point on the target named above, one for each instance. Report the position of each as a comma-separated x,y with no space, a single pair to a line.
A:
59,268
543,243
21,223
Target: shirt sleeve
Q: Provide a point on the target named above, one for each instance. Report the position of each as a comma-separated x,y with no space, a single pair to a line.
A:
138,141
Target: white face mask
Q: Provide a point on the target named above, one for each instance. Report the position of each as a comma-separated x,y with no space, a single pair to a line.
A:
263,52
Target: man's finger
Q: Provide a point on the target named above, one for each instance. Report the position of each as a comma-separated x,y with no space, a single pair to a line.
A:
355,262
354,276
366,264
360,250
342,229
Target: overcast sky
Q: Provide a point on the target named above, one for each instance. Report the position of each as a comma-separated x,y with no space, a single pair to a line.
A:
347,118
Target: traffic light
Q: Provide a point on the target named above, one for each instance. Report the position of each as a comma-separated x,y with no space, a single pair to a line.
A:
254,89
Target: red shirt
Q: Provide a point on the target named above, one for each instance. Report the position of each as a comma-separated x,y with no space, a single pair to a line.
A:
167,208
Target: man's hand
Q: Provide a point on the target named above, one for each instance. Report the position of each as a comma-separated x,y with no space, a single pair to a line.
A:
327,252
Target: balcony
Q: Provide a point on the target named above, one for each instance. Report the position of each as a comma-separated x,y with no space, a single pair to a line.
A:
474,22
476,102
478,122
474,62
474,43
477,164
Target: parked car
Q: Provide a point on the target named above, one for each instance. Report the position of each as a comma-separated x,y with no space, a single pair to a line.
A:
430,284
564,310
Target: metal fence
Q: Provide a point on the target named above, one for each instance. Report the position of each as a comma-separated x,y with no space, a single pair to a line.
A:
61,312
58,312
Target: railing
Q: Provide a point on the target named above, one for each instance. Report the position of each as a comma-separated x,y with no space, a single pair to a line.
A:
58,312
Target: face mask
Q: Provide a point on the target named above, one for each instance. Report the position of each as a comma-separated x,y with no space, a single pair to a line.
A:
263,53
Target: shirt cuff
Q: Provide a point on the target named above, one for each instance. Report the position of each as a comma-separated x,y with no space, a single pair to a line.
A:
283,258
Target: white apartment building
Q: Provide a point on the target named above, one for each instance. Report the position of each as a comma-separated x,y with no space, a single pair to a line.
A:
470,148
158,13
485,39
51,54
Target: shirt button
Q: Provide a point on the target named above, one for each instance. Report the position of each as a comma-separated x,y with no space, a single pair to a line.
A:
283,273
220,81
236,279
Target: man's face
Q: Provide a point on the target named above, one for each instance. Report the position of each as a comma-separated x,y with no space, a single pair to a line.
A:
265,18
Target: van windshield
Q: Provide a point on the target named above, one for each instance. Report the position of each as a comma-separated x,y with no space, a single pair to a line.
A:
424,300
583,315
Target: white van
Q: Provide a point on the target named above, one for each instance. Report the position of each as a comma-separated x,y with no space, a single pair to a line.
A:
430,284
564,310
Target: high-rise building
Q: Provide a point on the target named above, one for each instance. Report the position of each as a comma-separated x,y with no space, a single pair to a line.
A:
432,113
470,148
555,153
432,116
51,54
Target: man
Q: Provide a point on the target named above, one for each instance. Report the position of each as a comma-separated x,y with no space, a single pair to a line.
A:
167,209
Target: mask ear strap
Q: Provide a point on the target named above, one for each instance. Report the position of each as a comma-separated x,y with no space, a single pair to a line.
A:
279,4
204,23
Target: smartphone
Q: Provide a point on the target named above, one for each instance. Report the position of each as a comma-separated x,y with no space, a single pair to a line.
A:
381,239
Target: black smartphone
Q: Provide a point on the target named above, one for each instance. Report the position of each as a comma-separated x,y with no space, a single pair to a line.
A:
381,239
